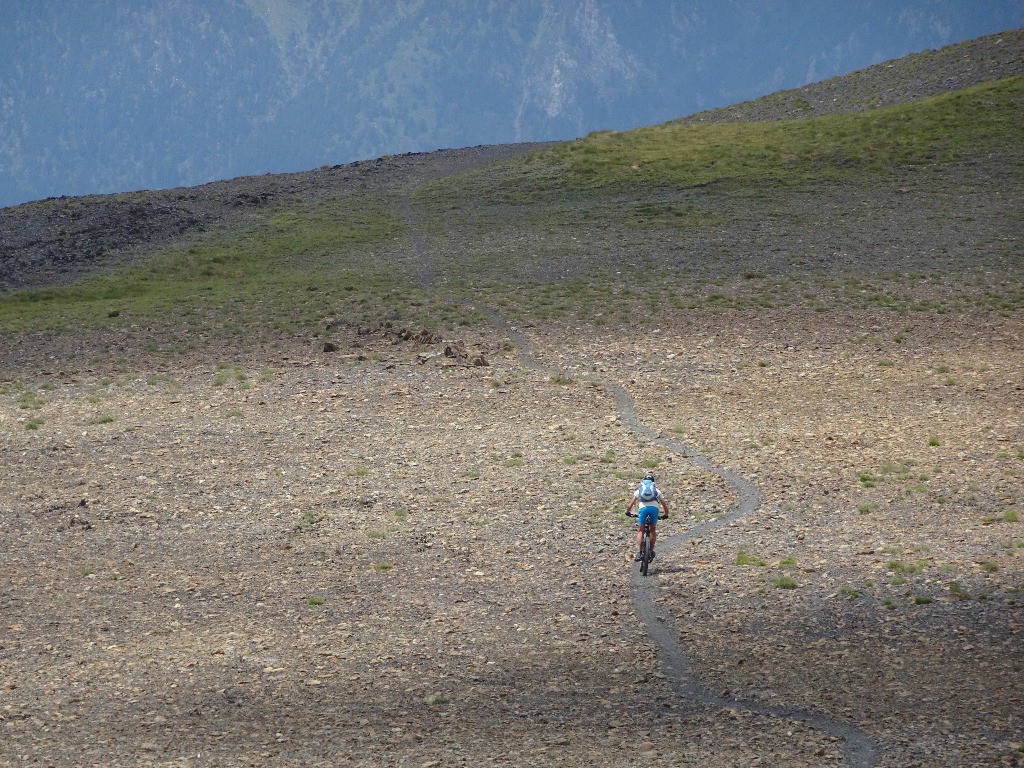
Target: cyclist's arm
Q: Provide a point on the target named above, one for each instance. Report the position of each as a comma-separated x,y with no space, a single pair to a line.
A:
664,505
632,503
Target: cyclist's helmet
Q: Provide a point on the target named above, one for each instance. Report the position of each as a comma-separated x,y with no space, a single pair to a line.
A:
649,476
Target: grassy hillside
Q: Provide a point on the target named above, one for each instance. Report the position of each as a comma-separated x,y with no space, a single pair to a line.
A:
954,127
911,207
717,216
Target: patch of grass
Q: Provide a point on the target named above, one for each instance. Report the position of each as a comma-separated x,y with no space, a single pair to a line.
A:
989,567
382,566
358,472
785,582
515,460
958,592
933,442
309,518
1011,516
374,534
787,562
849,591
30,401
100,420
867,479
316,601
745,558
922,600
867,508
608,457
33,424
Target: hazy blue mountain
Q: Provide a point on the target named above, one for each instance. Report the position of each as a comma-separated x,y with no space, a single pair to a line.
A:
114,95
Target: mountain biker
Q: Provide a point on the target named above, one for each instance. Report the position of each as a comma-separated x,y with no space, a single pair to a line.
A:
648,497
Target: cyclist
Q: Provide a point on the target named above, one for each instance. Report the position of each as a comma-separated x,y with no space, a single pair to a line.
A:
648,497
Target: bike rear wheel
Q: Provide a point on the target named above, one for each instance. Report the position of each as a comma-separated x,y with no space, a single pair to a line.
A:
645,553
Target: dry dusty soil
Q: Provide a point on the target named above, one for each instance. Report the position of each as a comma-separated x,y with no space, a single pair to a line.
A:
387,556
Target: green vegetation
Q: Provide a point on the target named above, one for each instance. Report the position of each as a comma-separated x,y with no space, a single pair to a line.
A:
745,558
898,566
30,401
785,582
515,460
308,519
549,224
941,129
281,274
957,592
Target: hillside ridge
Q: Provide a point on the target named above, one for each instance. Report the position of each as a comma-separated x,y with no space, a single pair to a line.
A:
898,81
55,241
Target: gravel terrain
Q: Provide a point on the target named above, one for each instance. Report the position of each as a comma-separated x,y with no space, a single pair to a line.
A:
914,77
411,551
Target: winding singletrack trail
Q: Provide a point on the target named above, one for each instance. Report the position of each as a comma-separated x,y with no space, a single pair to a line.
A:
859,749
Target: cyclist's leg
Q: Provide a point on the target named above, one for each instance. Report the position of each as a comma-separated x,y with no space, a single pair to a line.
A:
654,535
642,517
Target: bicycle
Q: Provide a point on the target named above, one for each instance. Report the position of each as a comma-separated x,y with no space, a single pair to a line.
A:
645,546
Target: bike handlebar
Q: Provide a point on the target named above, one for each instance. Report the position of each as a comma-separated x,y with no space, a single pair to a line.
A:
660,516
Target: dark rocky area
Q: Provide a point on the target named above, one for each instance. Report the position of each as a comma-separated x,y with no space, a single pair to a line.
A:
53,241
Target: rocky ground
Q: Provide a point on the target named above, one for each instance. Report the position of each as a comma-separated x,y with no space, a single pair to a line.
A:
263,557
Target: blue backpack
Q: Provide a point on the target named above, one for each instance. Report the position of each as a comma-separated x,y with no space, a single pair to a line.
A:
647,491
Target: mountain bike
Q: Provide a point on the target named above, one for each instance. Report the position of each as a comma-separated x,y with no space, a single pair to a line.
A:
645,543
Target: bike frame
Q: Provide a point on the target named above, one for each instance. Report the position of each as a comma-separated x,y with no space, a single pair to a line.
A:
645,544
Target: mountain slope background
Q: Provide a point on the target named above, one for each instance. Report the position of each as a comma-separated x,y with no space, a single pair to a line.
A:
237,422
114,97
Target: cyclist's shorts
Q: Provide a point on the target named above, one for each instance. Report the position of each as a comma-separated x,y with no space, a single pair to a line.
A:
647,515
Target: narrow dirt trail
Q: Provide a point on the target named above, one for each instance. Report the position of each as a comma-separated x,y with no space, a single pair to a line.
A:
859,749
